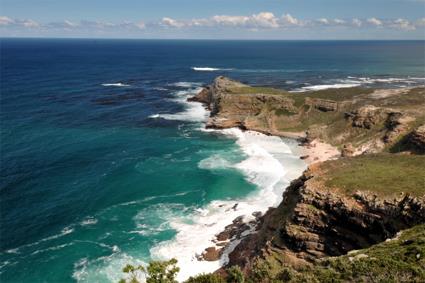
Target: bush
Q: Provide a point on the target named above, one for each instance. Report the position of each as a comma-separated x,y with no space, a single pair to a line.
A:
206,278
235,275
156,272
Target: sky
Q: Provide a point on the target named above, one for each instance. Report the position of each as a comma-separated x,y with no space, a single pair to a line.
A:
214,19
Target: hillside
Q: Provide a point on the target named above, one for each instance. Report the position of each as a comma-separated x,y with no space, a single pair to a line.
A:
375,189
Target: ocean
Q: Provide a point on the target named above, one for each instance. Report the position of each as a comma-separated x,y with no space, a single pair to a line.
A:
104,163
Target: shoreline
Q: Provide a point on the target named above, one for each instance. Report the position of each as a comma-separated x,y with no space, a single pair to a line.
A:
226,240
260,167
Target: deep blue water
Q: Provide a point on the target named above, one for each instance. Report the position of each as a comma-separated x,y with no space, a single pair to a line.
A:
91,173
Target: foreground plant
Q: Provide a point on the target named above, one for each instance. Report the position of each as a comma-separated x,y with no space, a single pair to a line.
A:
155,272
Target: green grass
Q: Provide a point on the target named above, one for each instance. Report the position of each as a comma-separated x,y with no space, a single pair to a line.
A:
398,260
383,174
258,90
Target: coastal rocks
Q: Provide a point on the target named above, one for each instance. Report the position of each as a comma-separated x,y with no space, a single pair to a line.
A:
366,116
397,123
235,231
204,96
211,254
324,105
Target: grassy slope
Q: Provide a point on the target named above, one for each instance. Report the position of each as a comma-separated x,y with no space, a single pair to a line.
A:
383,174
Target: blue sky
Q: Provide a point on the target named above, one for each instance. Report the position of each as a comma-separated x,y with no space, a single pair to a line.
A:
225,19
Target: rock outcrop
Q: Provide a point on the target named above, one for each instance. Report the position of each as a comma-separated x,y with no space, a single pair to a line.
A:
360,117
314,222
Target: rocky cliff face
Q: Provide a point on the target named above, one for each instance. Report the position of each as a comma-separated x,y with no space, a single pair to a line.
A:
368,120
314,221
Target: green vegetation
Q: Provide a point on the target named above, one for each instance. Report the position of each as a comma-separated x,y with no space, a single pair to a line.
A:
397,260
235,275
156,272
383,174
257,90
206,278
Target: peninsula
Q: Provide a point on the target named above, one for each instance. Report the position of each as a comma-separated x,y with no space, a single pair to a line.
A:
358,211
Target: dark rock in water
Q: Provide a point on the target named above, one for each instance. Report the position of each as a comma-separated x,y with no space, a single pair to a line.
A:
257,214
211,254
304,157
233,230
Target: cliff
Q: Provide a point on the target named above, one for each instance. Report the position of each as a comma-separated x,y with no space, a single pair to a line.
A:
336,207
359,201
363,119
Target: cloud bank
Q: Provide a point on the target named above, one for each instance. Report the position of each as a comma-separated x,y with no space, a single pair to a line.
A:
263,21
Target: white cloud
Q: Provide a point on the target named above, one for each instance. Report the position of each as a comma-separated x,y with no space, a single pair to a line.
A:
339,22
265,20
322,21
230,20
420,22
402,24
254,22
65,25
169,22
5,21
290,20
374,22
140,25
356,22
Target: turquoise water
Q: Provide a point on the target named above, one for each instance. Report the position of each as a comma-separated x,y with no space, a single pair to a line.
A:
103,163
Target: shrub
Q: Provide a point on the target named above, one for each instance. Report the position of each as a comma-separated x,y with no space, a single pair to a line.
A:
206,278
156,272
235,275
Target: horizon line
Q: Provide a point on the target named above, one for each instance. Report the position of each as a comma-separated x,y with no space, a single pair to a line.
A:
207,39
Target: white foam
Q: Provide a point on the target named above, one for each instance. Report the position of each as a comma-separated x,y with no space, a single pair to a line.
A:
88,221
268,160
327,86
65,231
185,84
194,111
116,84
209,69
368,80
215,161
106,268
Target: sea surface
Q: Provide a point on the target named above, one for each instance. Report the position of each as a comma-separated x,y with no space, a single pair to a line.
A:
104,163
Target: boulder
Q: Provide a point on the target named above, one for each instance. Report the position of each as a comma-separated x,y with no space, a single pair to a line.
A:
347,150
366,116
